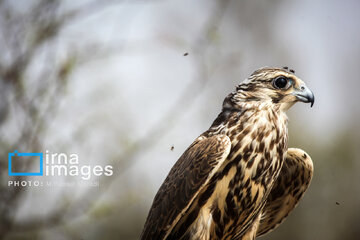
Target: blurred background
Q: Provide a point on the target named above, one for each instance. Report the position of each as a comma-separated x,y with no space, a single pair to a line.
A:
133,83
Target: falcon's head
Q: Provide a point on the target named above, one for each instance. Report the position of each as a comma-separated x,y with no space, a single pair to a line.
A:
278,86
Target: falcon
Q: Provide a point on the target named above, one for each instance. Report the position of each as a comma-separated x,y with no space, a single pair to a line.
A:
239,179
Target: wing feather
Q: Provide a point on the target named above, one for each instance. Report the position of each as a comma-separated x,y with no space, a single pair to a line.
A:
186,179
293,181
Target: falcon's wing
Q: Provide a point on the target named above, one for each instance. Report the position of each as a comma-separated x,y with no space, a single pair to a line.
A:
188,176
293,180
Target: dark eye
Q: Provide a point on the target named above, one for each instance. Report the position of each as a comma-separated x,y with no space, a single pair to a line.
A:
280,82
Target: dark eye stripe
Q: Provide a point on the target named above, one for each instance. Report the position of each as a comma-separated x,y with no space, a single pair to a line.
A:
253,84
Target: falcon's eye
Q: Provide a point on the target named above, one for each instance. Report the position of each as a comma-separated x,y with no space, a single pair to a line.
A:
280,82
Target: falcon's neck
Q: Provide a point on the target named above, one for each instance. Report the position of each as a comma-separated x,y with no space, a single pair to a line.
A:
260,127
239,113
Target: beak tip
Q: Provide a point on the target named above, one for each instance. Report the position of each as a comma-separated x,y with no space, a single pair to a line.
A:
304,94
312,99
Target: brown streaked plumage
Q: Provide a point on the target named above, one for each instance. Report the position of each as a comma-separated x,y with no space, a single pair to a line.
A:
238,180
289,187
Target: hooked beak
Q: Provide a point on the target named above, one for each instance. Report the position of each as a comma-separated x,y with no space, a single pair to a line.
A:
304,94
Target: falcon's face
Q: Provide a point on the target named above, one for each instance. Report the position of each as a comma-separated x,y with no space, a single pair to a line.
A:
279,86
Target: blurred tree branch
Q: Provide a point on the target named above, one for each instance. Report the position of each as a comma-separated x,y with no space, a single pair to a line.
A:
71,210
29,97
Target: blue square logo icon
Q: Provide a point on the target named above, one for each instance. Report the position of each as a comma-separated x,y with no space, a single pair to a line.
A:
17,154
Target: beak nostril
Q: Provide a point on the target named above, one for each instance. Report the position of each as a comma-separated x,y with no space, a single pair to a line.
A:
302,88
